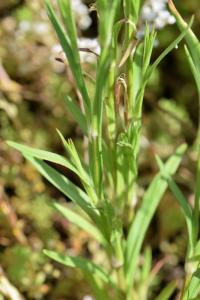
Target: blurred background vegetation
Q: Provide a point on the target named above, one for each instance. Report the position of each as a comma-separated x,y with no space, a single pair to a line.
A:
32,88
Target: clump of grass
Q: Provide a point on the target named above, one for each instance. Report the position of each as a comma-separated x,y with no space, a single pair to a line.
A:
111,122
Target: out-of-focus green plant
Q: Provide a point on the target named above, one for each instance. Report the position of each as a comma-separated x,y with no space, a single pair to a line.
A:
191,287
111,122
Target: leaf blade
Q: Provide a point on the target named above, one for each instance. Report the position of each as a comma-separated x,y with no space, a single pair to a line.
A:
43,155
145,213
81,263
73,62
77,114
79,221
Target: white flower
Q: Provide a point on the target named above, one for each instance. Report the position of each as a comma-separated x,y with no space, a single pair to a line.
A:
81,12
24,26
148,14
90,44
89,49
157,6
56,49
38,28
41,28
156,14
88,297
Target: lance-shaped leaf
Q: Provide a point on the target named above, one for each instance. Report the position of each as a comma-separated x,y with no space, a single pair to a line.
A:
83,174
152,68
81,263
69,51
193,43
77,114
194,69
185,206
193,289
69,189
43,155
64,185
69,22
193,56
167,291
132,9
144,215
79,221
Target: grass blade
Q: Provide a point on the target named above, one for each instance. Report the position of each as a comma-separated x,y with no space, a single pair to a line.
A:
80,221
193,55
67,48
43,155
193,289
194,70
84,176
68,19
185,206
77,114
80,263
151,69
145,213
167,292
107,18
64,185
191,40
132,9
74,193
171,46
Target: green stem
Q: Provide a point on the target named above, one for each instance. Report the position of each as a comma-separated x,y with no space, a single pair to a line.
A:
197,192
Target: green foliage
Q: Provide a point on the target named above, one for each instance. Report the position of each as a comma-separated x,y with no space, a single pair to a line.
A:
192,218
111,124
79,262
140,224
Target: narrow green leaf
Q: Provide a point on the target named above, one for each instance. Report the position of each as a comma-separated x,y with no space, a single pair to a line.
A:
171,46
175,189
43,155
106,19
151,68
193,56
68,19
137,70
194,70
52,157
63,184
193,288
74,193
145,213
72,152
167,292
107,11
80,221
149,42
83,175
81,263
185,206
191,39
77,114
147,264
67,48
132,9
69,189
